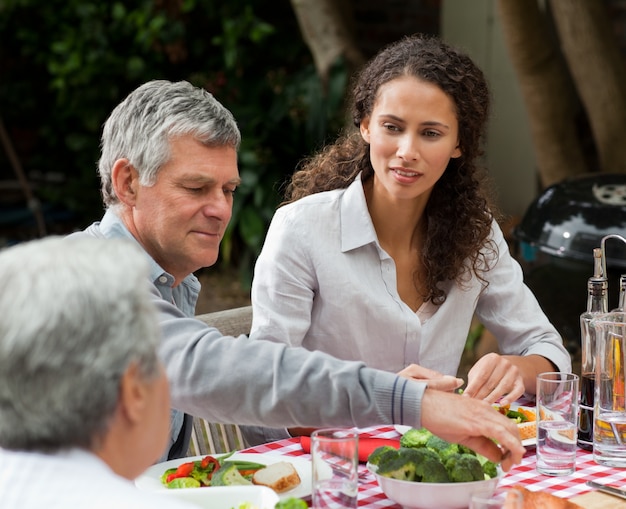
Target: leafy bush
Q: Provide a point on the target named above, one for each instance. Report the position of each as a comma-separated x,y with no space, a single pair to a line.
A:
67,63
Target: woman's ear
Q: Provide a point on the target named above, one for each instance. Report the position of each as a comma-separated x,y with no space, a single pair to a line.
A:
456,152
125,181
364,127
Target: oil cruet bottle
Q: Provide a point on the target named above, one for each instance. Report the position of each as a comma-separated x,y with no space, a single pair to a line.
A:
597,303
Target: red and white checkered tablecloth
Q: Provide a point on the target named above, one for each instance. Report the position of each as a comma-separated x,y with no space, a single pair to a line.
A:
371,496
565,486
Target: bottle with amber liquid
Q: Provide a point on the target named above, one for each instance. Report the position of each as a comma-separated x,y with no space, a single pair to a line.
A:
597,303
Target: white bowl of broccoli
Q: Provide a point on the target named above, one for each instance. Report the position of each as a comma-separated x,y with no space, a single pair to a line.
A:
430,473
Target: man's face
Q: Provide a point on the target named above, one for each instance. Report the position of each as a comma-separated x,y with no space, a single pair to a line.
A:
181,219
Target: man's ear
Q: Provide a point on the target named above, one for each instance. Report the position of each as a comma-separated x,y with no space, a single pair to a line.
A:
125,181
133,395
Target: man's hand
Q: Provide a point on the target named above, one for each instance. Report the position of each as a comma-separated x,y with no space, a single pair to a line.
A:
435,379
473,423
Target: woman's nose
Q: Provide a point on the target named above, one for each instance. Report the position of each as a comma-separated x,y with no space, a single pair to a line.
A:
408,148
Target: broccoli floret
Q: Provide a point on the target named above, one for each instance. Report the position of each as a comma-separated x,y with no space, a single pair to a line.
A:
449,450
434,443
291,503
432,470
490,469
415,438
381,452
397,468
464,468
463,449
411,464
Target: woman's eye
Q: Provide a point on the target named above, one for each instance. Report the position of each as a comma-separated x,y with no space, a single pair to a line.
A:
390,127
431,134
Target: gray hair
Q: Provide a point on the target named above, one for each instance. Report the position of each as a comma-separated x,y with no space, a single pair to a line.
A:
75,314
140,127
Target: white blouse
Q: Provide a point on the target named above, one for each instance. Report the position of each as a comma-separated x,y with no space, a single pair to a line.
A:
323,281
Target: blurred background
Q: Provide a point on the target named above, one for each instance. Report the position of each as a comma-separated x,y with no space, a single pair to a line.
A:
282,67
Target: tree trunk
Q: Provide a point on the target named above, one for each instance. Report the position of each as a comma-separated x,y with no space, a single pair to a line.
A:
595,61
325,31
550,100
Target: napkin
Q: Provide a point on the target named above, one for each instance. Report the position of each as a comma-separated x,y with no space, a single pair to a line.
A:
366,445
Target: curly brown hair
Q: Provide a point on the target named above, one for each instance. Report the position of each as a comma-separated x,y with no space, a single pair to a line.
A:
459,201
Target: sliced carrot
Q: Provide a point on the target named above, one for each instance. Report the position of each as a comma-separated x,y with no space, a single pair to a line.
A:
530,415
249,471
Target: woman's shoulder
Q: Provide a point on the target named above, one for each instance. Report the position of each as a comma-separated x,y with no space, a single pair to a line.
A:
316,204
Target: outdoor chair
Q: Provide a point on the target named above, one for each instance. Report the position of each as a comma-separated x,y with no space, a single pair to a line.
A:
217,438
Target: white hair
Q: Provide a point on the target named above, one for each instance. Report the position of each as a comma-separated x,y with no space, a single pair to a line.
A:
75,313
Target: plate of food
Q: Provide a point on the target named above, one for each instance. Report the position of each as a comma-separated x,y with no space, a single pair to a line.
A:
288,476
524,416
227,497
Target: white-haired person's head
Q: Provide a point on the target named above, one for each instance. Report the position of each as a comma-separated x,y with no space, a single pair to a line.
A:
78,352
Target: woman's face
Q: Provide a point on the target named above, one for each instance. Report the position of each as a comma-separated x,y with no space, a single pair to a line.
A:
412,132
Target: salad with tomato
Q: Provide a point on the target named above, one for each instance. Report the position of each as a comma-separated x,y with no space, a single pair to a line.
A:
210,471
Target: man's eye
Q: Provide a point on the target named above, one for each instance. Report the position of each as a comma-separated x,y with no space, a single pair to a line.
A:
194,189
230,191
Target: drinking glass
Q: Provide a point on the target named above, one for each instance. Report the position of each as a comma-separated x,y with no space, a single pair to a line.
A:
502,499
557,422
335,461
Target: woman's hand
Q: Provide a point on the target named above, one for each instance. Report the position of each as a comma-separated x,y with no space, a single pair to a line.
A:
435,379
493,377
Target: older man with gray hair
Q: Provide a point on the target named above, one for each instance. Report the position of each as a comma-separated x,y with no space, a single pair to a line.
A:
84,400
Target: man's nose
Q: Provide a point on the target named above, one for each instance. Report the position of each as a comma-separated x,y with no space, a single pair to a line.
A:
219,205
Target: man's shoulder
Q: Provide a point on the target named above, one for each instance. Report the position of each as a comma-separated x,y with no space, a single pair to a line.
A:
92,230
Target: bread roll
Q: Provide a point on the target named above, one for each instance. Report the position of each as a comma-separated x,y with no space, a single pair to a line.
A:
544,500
280,477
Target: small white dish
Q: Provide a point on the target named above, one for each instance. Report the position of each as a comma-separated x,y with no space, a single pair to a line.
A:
428,495
226,497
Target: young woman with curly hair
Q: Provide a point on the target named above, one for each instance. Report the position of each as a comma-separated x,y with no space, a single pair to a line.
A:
387,246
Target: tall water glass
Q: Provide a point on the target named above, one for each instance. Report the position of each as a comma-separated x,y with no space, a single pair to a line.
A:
504,498
557,422
609,431
335,468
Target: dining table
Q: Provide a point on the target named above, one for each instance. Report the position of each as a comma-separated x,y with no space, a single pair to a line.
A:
525,474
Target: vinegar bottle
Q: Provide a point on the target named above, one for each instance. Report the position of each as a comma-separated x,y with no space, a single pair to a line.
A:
597,303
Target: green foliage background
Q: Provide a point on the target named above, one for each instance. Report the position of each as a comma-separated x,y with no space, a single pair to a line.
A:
66,63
